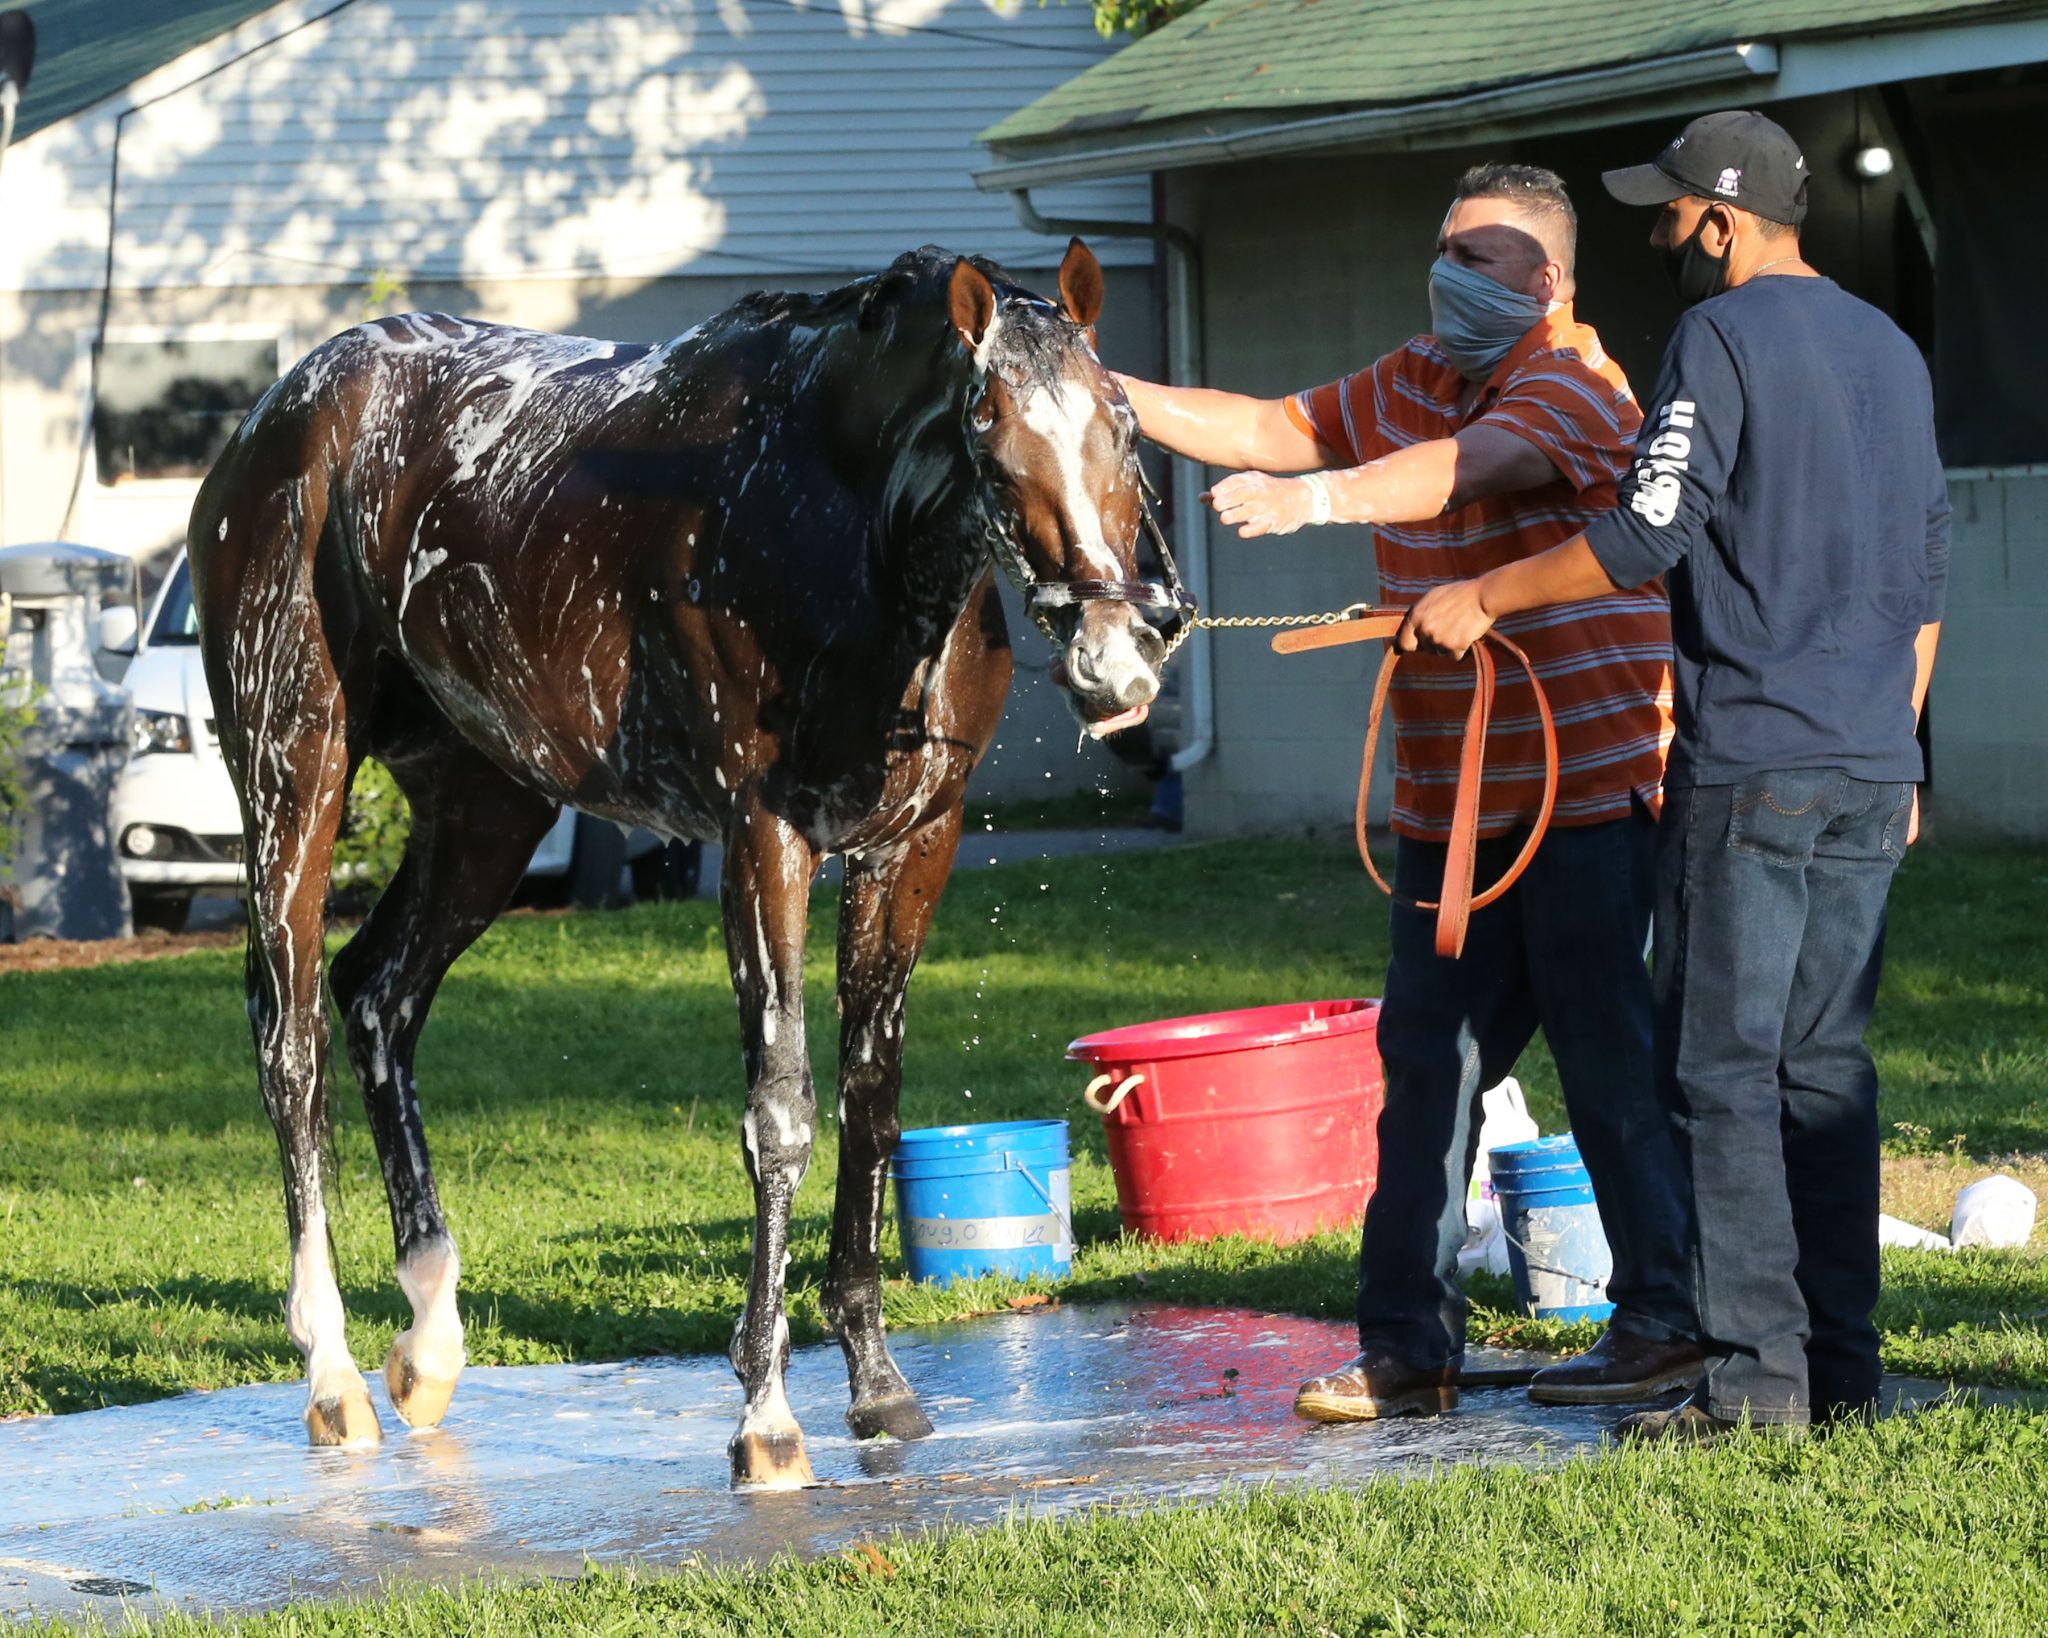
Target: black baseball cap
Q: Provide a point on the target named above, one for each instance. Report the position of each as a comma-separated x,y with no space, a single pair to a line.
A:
1738,156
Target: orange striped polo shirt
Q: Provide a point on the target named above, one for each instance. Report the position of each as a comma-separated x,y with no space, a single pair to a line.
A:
1605,662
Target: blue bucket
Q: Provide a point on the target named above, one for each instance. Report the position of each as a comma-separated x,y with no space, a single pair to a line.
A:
1557,1251
994,1199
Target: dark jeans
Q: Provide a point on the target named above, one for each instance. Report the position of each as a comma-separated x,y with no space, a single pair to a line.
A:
1770,934
1564,949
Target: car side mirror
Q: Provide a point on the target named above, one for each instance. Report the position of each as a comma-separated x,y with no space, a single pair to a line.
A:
118,628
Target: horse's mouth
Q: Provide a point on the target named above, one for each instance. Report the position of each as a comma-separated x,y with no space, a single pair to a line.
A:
1103,727
1099,718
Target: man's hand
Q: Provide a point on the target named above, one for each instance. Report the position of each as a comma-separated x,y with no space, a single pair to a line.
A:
1256,503
1446,620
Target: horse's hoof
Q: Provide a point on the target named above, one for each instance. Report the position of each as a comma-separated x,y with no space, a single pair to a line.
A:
421,1401
349,1421
770,1461
899,1418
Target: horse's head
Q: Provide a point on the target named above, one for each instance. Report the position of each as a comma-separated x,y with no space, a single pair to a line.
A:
1057,444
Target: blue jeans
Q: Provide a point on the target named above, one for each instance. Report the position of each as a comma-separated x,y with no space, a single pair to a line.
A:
1770,935
1564,950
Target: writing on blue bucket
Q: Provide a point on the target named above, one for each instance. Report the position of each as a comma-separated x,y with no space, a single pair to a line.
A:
995,1198
1557,1251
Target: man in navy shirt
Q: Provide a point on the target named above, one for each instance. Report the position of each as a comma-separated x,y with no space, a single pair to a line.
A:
1786,484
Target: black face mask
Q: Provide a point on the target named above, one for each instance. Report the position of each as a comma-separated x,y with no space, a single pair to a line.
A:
1695,275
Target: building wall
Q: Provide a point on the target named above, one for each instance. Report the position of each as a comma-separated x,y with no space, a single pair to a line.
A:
1988,707
551,139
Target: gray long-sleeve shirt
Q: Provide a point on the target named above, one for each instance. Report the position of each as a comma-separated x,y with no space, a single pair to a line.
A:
1787,485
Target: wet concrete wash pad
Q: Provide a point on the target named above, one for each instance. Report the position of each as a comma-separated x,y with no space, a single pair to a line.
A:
213,1501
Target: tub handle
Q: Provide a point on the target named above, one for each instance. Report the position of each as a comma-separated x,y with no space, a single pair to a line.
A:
1012,1164
1094,1099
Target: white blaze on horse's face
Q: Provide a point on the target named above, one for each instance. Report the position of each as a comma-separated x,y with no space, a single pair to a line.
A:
1067,446
1062,437
1061,418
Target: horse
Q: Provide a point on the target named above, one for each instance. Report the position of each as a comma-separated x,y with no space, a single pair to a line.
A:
736,586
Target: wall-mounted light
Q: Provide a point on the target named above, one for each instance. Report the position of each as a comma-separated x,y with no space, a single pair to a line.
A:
1871,162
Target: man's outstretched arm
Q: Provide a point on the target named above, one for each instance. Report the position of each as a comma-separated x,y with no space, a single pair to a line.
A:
1422,481
1224,428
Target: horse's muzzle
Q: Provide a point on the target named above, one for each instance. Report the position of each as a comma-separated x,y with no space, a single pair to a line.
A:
1112,665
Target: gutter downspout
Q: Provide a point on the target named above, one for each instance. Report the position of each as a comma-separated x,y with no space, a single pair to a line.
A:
1184,369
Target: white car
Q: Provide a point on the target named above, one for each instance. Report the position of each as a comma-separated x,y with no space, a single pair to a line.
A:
178,827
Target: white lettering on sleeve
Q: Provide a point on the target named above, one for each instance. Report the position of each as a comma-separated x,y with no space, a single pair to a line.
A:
1663,460
1656,497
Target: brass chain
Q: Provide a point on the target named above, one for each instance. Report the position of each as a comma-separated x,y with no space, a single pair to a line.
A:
1262,622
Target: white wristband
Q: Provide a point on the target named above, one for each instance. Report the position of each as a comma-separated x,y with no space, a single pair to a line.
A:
1319,493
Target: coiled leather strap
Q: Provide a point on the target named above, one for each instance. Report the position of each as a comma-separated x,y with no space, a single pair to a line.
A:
1454,909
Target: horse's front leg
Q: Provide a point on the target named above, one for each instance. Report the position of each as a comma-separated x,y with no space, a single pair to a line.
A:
885,913
766,896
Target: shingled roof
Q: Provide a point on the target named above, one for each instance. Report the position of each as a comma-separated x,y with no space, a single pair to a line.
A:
1229,59
86,50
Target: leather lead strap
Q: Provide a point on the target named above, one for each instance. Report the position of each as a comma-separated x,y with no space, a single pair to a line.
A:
1454,909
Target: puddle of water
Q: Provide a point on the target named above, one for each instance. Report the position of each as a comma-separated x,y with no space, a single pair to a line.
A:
213,1501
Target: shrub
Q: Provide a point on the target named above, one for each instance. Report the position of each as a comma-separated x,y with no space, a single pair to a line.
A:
17,711
373,831
1137,17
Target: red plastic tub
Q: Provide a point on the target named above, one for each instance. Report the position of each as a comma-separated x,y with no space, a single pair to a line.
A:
1262,1122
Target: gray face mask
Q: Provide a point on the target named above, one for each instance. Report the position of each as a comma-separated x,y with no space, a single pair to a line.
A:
1476,321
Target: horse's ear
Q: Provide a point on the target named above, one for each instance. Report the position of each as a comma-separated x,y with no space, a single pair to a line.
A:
1081,284
972,301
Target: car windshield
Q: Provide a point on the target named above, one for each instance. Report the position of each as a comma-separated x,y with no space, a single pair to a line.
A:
175,622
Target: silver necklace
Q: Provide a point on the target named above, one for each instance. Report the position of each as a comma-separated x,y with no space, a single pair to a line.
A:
1780,262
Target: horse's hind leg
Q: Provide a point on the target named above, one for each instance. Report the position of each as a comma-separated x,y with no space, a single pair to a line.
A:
473,831
885,912
279,698
766,896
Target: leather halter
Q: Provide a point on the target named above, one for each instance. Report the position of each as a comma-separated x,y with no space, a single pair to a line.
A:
1042,596
1455,907
1156,594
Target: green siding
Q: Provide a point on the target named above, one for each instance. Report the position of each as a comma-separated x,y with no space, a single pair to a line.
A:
1275,57
86,50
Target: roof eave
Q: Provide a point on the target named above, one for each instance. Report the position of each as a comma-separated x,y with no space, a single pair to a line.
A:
1043,162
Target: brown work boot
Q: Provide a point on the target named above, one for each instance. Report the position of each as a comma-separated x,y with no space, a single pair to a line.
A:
1374,1385
1693,1424
1621,1367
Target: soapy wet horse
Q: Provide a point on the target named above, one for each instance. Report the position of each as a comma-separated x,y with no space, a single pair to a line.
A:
736,586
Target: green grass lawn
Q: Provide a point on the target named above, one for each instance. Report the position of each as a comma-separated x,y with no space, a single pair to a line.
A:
583,1090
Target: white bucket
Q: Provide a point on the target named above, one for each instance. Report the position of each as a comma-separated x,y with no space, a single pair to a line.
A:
1994,1211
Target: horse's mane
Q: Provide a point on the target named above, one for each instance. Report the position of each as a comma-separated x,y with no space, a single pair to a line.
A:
1033,339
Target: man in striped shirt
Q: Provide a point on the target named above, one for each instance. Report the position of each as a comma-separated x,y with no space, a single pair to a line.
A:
1494,438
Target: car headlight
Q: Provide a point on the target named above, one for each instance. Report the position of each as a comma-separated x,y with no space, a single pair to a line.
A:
147,842
161,731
